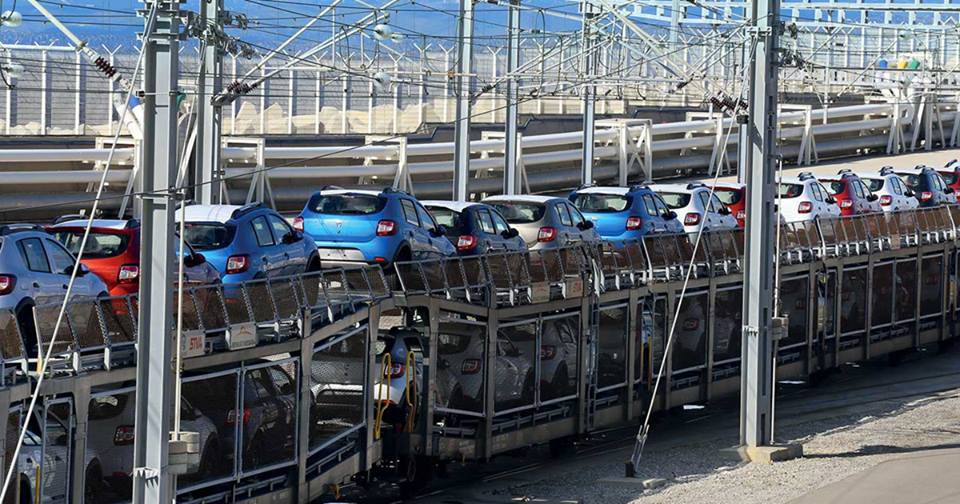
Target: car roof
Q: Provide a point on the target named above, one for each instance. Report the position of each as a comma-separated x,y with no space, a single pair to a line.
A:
116,224
676,188
606,190
796,180
916,170
456,206
209,213
368,192
729,185
528,198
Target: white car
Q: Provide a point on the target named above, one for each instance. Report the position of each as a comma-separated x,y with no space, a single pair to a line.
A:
696,207
804,198
893,192
51,462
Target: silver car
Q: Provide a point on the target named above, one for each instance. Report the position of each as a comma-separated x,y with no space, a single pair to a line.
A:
545,221
34,271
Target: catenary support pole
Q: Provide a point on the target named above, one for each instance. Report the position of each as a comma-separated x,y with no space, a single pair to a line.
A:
209,120
152,479
760,175
461,147
589,91
511,183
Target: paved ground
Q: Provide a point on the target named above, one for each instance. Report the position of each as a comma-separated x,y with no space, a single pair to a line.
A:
867,417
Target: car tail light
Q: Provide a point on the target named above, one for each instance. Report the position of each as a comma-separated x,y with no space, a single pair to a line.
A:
634,223
847,203
691,324
546,234
298,223
128,273
547,352
886,199
466,242
691,219
926,196
805,207
123,435
7,283
386,228
741,214
470,366
396,370
237,264
232,416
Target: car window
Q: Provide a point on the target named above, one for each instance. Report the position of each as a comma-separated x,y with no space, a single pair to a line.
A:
650,205
818,194
99,245
675,200
499,223
426,220
262,231
949,178
824,191
661,205
575,214
716,204
728,196
450,220
874,184
602,203
61,259
409,212
703,197
208,235
33,255
790,190
564,215
835,187
940,185
860,189
346,204
898,186
520,212
486,221
280,228
912,180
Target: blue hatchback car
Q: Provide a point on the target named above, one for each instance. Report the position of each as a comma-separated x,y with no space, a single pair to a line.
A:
621,213
475,228
353,226
248,242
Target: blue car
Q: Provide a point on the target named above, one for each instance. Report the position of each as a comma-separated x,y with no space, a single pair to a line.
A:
621,213
475,228
248,242
371,226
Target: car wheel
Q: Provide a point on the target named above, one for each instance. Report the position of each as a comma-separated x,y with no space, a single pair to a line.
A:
314,264
93,484
559,383
403,254
209,458
526,395
25,497
26,325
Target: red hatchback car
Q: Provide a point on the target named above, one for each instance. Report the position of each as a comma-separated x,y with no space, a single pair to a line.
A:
852,195
113,253
734,197
951,175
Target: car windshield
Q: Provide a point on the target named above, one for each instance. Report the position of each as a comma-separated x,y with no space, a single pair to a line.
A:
727,196
208,235
874,184
790,190
675,200
520,212
452,343
99,245
447,218
600,203
346,204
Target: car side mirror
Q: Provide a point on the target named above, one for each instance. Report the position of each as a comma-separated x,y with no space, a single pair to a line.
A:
195,259
81,271
831,200
909,193
292,237
585,225
510,233
873,197
948,190
724,211
670,215
440,230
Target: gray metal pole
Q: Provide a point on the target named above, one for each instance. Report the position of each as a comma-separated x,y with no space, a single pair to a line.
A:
209,115
461,144
511,183
756,386
152,480
589,92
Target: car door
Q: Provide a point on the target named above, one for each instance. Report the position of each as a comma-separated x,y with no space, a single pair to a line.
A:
583,234
489,240
566,223
724,216
653,222
85,286
43,285
437,243
271,254
502,228
294,259
711,219
415,235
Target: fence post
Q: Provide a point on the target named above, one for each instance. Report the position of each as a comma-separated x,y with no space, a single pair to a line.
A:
44,92
78,108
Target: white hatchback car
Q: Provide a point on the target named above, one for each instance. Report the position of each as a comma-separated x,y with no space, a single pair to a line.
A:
696,207
804,198
894,193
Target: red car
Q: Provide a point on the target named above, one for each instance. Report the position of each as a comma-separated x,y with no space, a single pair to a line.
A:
113,253
951,175
734,197
852,195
